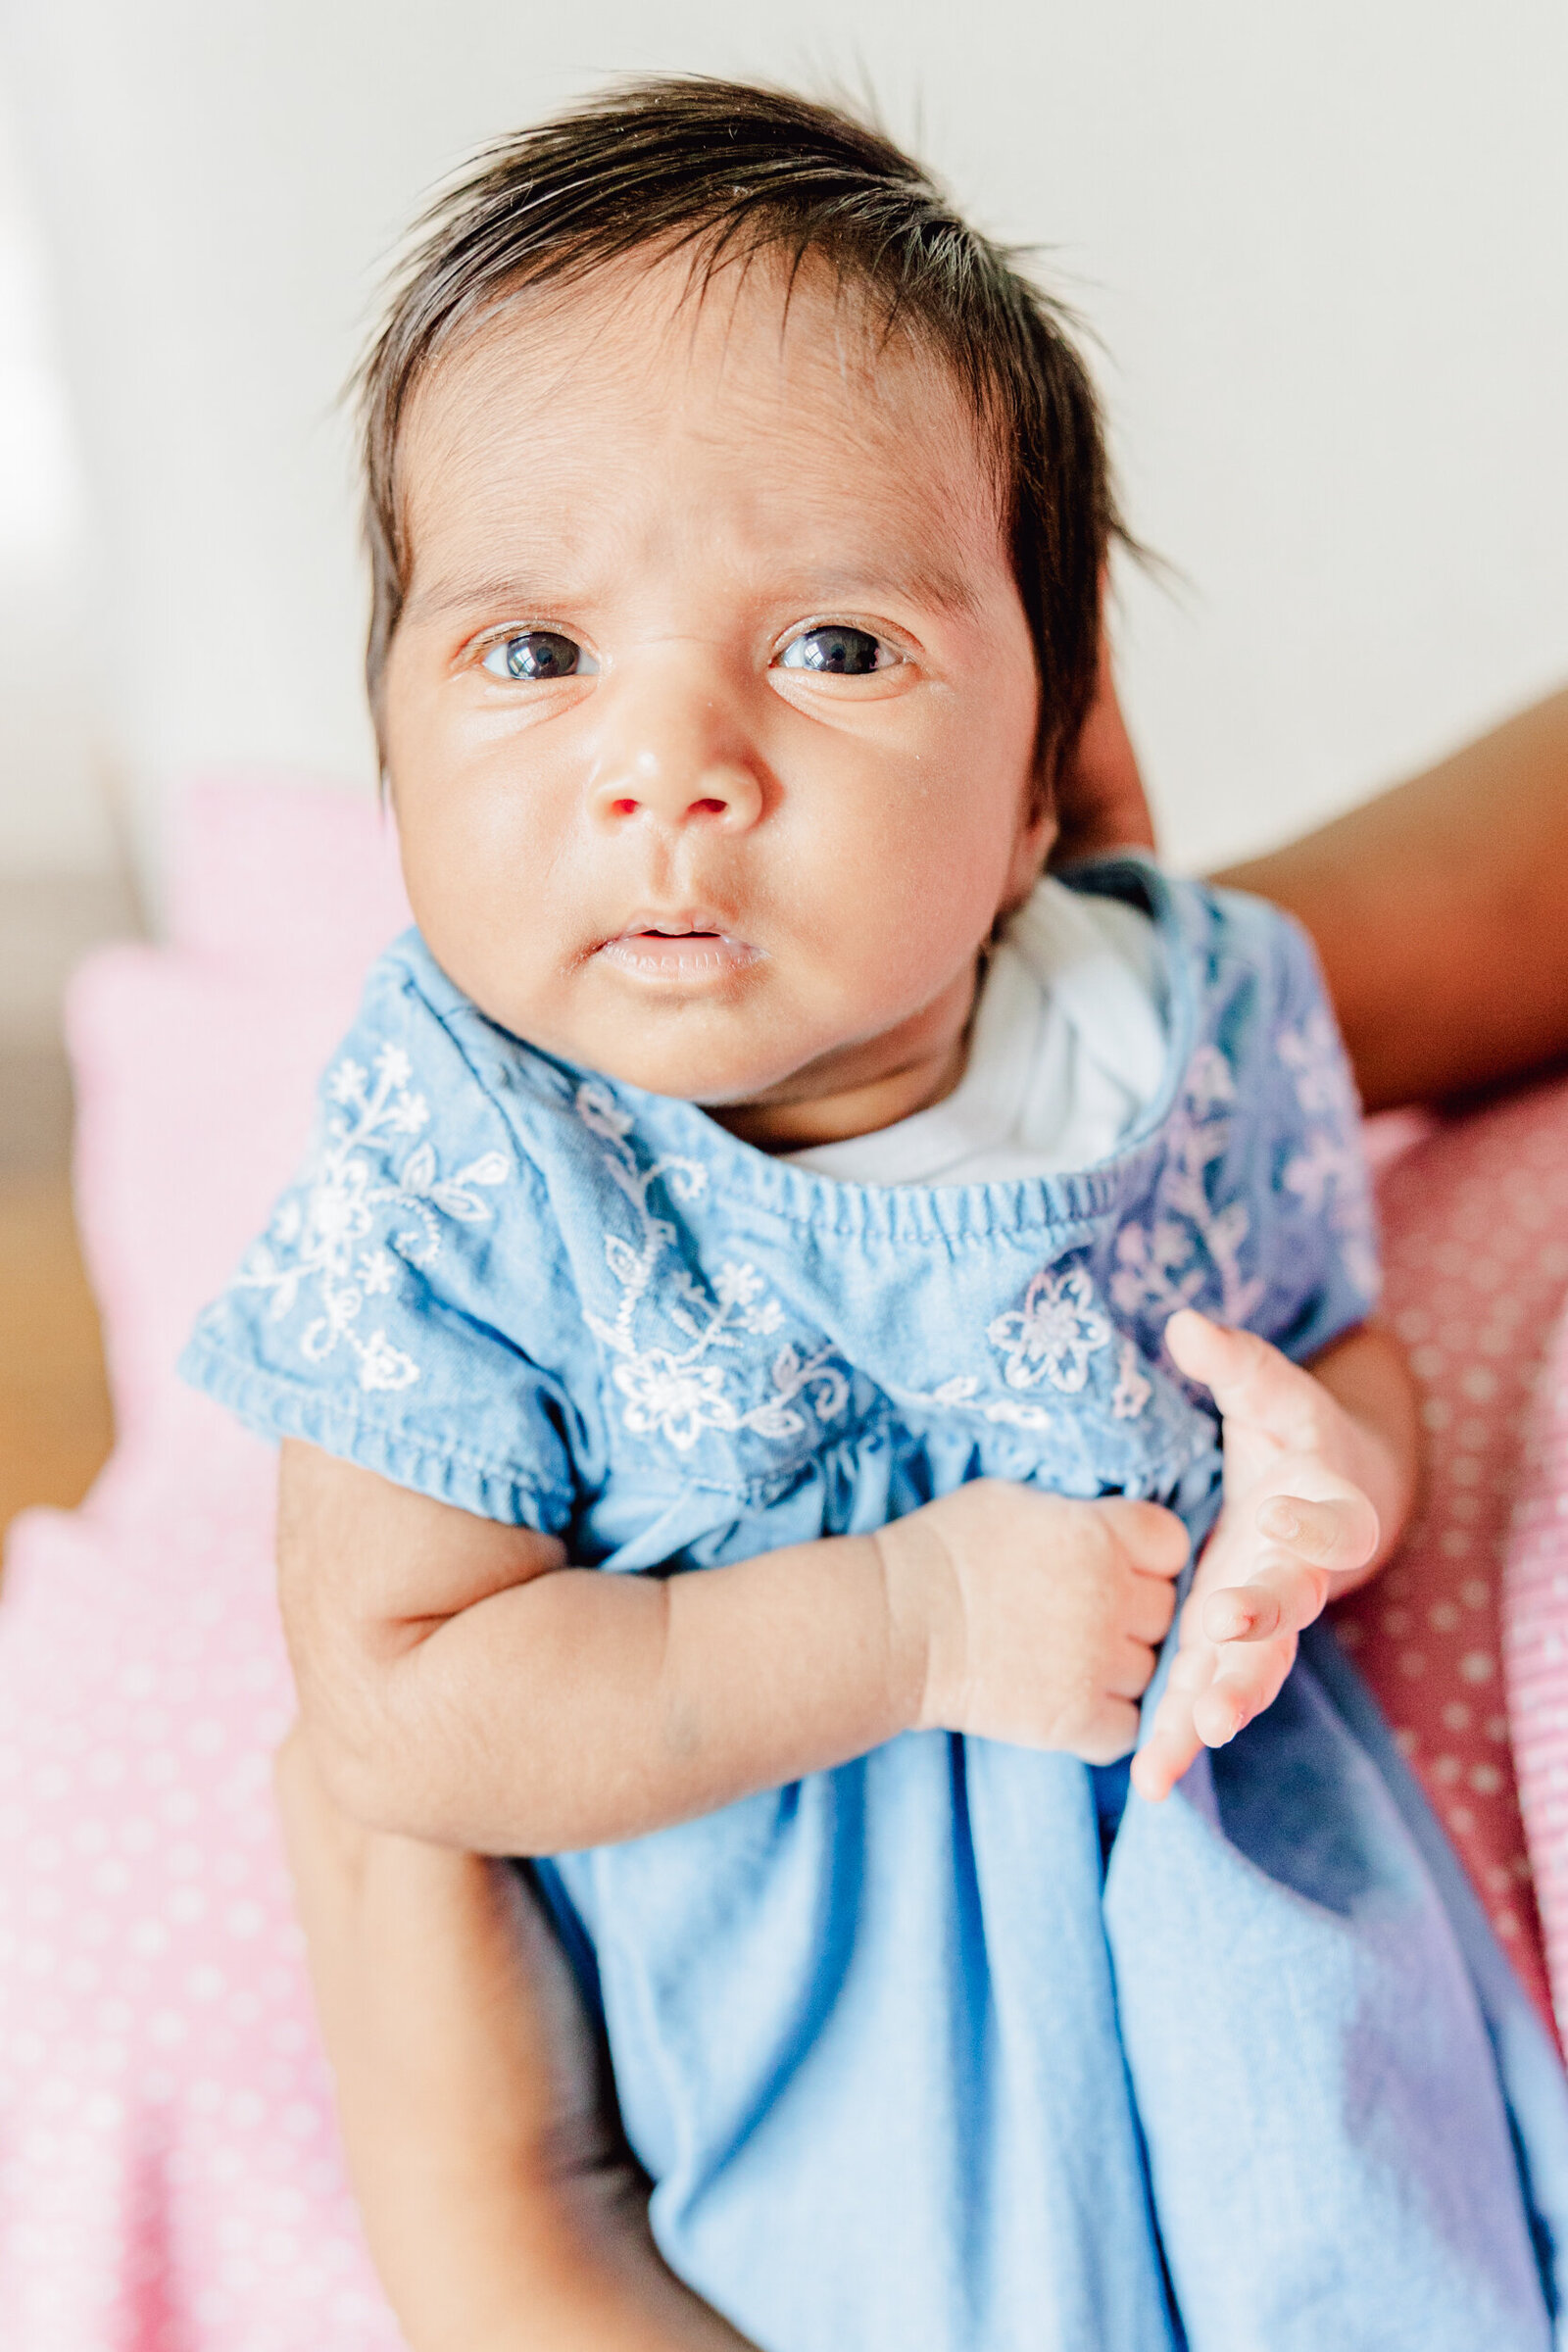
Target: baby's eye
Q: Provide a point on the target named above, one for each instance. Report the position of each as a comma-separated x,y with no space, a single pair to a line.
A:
837,650
539,653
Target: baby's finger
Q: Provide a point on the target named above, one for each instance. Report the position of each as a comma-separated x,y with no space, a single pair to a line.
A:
1335,1533
1171,1747
1195,1656
1132,1670
1151,1606
1241,1691
1152,1537
1112,1735
1283,1596
1245,1376
1225,1709
1173,1742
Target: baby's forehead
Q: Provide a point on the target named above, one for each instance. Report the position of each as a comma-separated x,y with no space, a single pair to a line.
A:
793,387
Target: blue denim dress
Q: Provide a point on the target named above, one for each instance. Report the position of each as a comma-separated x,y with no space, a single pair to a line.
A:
954,2048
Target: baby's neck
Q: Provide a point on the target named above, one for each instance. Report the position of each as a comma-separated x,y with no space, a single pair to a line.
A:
923,1069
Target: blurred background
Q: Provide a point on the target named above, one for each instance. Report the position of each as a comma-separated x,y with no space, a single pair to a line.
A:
1321,252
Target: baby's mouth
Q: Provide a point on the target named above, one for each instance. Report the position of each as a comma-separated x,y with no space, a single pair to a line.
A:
679,947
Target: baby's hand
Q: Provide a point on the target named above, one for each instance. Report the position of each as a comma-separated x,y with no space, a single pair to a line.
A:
1039,1617
1296,1525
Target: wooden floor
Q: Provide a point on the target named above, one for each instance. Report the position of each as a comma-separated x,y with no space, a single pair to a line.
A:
54,1407
54,1429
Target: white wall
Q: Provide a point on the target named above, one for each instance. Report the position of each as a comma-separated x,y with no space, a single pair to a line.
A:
1323,248
54,819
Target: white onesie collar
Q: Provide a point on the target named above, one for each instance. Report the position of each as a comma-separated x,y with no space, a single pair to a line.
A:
1068,1036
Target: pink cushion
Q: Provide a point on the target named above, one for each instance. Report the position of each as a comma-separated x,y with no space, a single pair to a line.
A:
194,1087
196,1063
265,872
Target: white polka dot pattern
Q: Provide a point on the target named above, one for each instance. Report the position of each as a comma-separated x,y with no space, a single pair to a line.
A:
1476,1249
169,2173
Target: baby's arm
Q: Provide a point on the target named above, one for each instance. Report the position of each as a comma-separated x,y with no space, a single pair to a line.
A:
1320,1471
461,1682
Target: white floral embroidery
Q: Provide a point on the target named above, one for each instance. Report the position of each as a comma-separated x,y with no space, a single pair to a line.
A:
1053,1334
1132,1391
377,1273
961,1395
332,1240
1019,1414
1188,1245
1322,1082
676,1392
1329,1174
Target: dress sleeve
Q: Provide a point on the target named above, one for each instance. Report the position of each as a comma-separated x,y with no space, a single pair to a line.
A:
1318,1260
405,1301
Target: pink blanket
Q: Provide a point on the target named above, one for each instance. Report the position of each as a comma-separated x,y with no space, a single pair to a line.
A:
1536,1647
1476,1251
169,2171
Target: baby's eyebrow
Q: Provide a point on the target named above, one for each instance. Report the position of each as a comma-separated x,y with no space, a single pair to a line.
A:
909,579
511,594
912,581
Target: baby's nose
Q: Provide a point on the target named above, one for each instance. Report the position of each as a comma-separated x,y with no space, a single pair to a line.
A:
679,793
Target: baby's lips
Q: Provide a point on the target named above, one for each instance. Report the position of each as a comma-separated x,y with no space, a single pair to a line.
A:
689,957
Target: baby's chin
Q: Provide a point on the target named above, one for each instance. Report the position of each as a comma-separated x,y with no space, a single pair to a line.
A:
693,1054
714,1046
721,1084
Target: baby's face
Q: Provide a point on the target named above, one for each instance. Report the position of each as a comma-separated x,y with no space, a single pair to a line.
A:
712,713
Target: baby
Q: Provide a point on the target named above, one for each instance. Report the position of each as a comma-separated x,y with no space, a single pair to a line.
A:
780,1290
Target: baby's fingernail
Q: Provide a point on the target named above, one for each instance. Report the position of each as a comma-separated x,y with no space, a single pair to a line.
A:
1278,1519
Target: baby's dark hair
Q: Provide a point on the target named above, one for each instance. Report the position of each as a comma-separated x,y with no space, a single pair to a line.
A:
728,172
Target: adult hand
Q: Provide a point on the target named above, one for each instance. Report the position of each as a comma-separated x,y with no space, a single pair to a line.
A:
1101,803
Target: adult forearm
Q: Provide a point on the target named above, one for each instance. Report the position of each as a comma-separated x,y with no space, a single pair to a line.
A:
580,1708
1438,910
502,2210
516,2268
